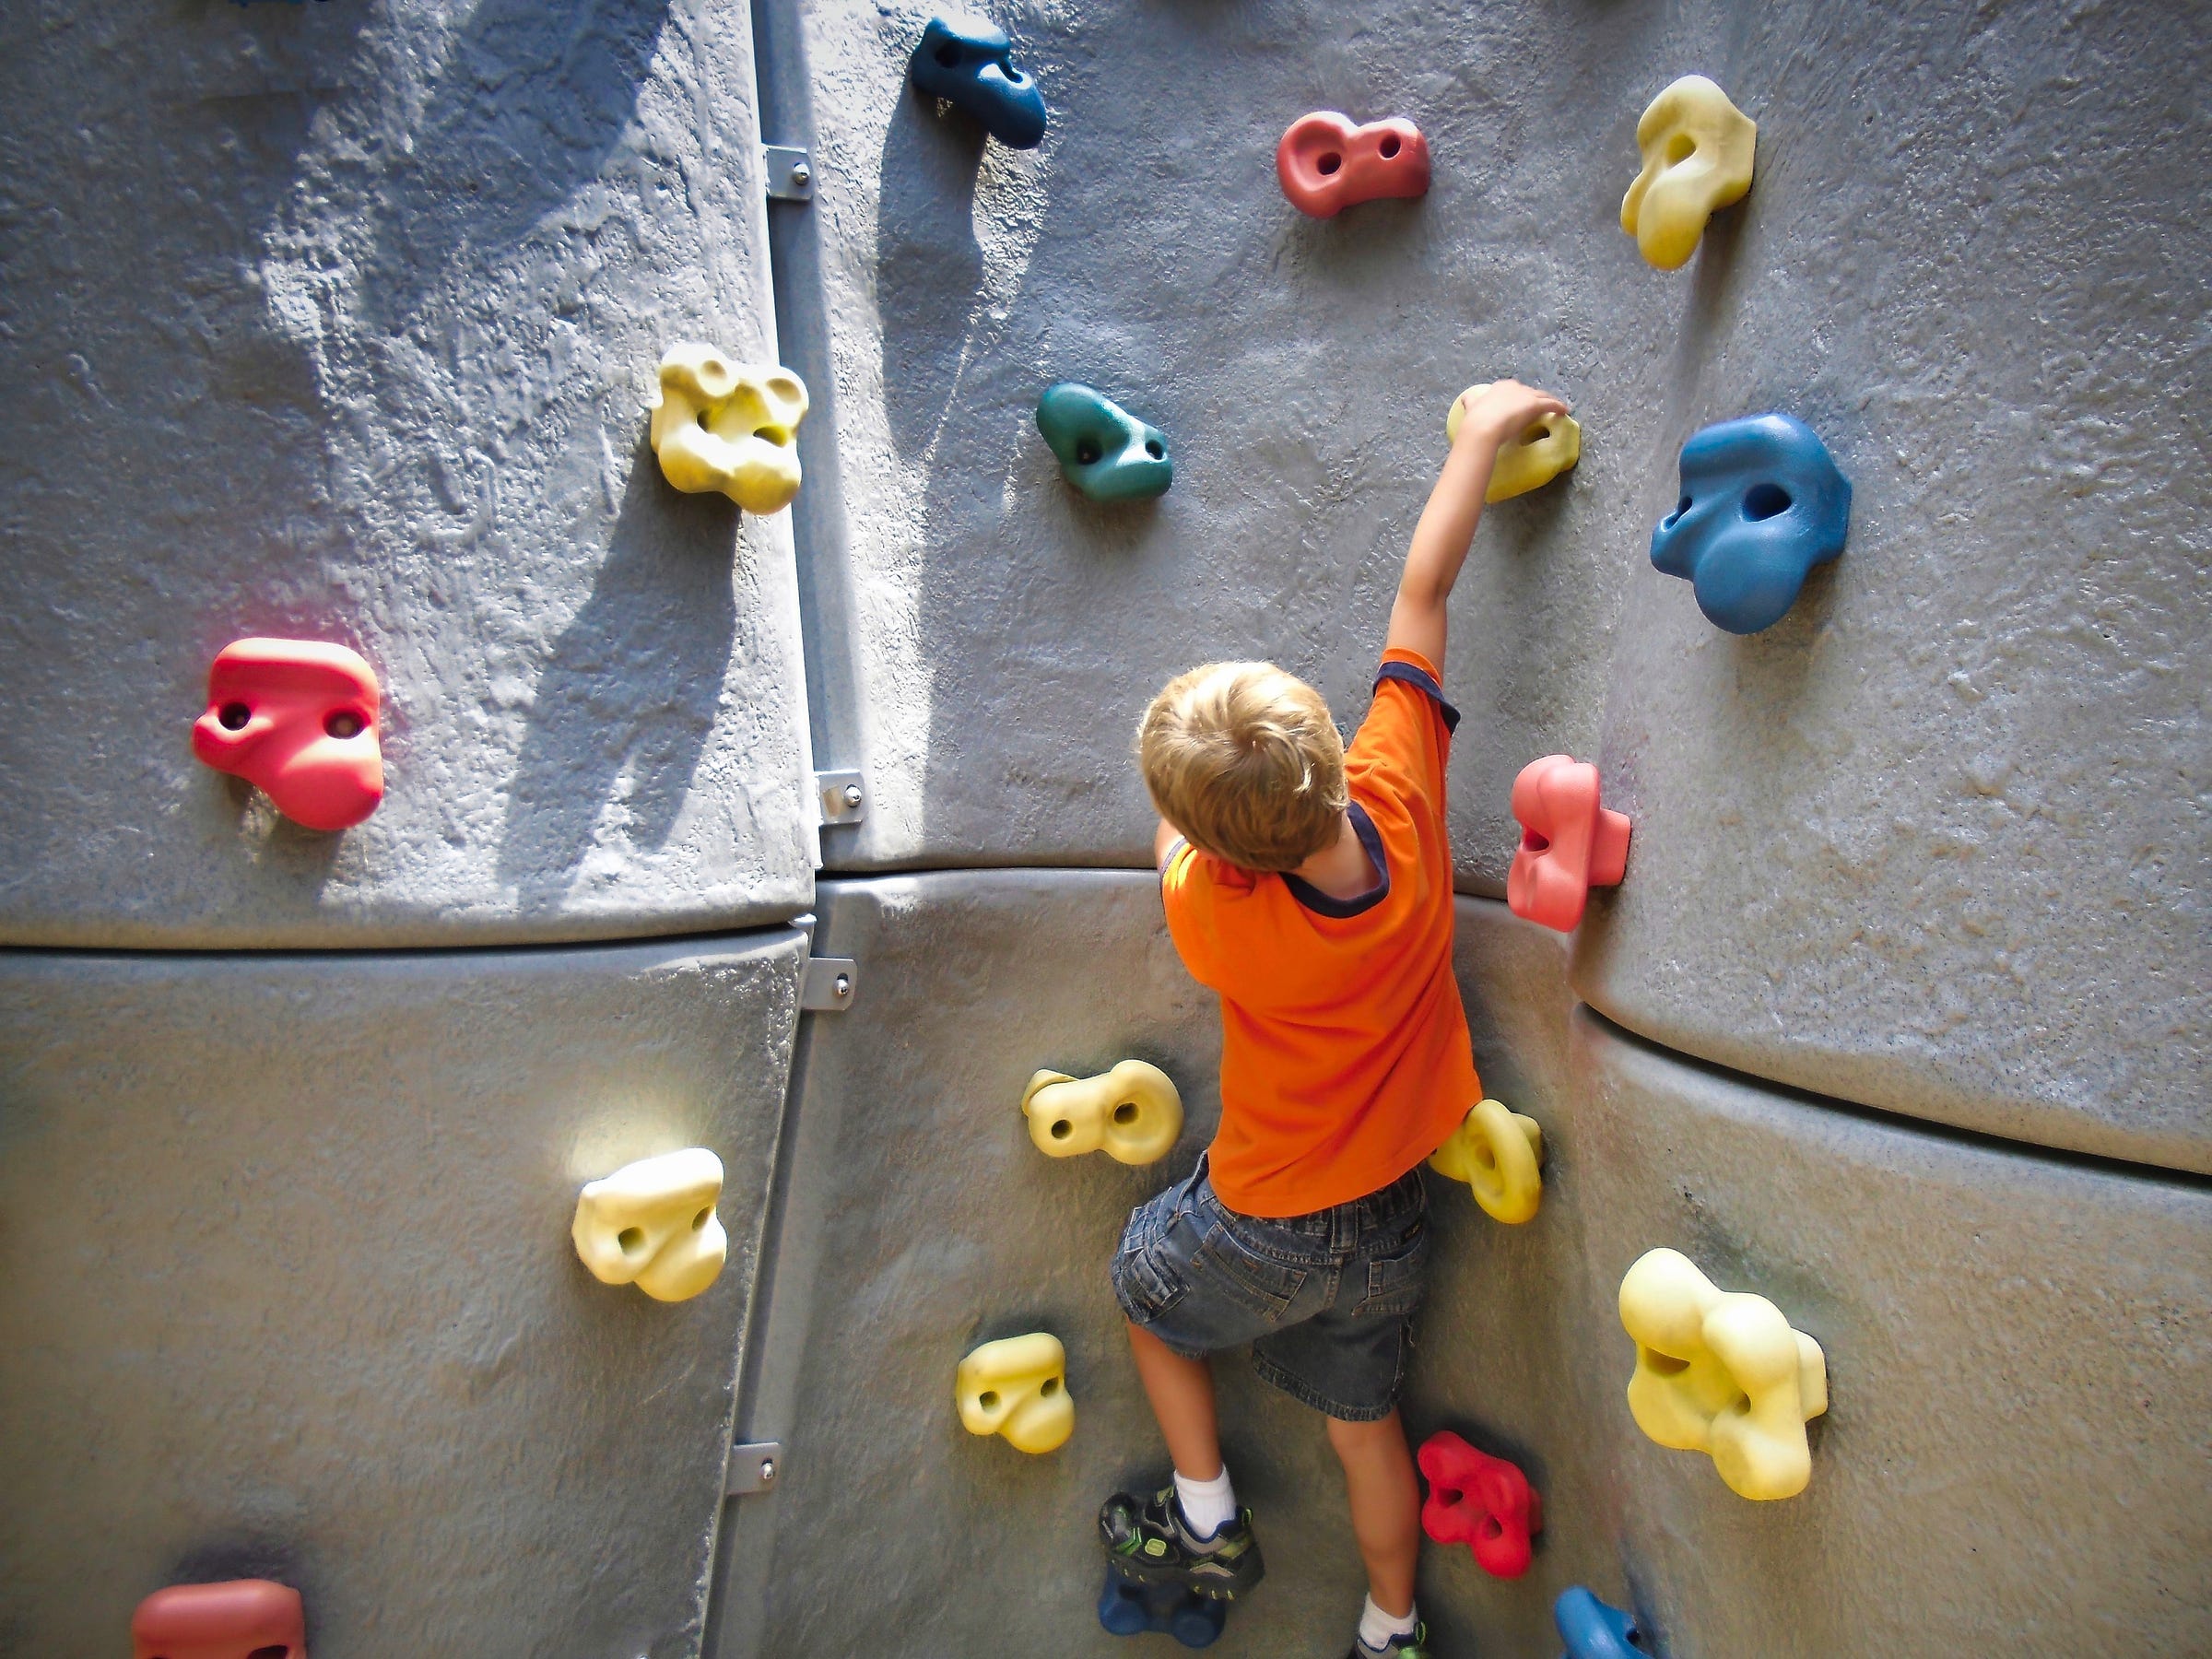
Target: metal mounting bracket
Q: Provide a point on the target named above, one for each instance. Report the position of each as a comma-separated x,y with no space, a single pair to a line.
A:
790,172
754,1468
843,800
827,984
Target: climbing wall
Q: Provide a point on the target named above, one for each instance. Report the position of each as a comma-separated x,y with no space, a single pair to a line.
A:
339,321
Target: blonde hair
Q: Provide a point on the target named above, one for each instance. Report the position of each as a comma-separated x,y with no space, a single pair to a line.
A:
1244,759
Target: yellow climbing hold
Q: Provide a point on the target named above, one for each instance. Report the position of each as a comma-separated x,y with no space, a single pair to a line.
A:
1017,1387
652,1224
728,428
1539,455
1697,159
1497,1152
1134,1112
1721,1372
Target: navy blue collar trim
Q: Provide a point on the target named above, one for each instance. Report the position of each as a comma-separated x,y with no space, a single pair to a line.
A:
1420,682
1321,903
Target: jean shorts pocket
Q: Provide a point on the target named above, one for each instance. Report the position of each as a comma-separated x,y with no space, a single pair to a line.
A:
1395,1277
1148,1288
1245,1277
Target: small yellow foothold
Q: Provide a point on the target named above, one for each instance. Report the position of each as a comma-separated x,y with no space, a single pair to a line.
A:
1497,1152
652,1224
1721,1372
1543,452
1697,159
1133,1112
1017,1387
730,427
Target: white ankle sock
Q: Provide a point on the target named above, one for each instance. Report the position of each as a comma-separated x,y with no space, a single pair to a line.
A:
1376,1626
1208,1505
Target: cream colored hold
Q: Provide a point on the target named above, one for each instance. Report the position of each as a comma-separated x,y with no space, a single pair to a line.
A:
1016,1388
728,428
1721,1372
1498,1152
1696,150
652,1224
1134,1112
1540,454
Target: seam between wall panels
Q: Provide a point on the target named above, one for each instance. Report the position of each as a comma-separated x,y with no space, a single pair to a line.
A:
784,100
1980,1140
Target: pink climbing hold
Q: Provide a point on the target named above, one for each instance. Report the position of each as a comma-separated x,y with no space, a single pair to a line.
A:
1568,843
1482,1501
1326,164
245,1618
296,718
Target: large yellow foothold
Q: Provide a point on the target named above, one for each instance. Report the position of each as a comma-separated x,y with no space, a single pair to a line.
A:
652,1224
1133,1112
1722,1373
1542,453
731,428
1017,1387
1497,1152
1697,159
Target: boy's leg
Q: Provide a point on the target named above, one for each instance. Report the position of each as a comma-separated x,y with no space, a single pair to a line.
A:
1181,1392
1386,1506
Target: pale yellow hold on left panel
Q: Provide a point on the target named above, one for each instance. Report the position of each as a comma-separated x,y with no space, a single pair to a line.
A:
728,428
652,1224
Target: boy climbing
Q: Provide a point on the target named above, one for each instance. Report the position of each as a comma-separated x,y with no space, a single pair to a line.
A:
1310,887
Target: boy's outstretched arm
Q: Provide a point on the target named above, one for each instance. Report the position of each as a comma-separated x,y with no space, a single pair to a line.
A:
1447,528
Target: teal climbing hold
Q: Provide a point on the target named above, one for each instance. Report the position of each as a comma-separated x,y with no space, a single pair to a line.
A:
1104,451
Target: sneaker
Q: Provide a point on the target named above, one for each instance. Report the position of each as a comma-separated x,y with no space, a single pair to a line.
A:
1415,1646
1150,1541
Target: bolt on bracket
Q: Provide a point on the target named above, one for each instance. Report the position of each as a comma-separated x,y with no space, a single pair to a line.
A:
790,172
842,797
827,984
753,1468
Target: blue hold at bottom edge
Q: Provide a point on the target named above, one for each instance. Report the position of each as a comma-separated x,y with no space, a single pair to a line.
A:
1594,1631
1129,1609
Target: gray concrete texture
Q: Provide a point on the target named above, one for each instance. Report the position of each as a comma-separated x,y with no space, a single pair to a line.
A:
1934,843
288,1289
2017,1345
338,322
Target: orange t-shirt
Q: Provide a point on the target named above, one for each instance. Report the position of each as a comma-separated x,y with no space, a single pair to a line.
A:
1345,1056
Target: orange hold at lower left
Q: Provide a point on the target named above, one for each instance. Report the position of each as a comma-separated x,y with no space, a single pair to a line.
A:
245,1618
296,718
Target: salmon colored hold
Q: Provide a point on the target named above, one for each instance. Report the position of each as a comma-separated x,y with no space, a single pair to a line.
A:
297,719
1482,1501
1568,843
1328,164
246,1618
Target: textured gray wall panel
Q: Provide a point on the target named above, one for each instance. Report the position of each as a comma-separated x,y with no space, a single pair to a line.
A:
2017,1345
338,320
2019,1355
288,1289
1936,842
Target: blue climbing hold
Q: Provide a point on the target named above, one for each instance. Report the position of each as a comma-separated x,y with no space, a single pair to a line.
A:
1762,504
971,65
1594,1631
1129,1609
1104,451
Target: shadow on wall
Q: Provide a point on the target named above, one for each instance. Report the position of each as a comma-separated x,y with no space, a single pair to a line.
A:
530,99
629,695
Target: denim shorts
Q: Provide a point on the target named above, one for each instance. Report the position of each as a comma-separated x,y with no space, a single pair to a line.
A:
1326,1301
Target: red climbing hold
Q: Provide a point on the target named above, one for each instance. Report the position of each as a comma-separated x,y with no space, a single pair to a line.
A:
1568,843
1326,164
298,719
246,1618
1479,1501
